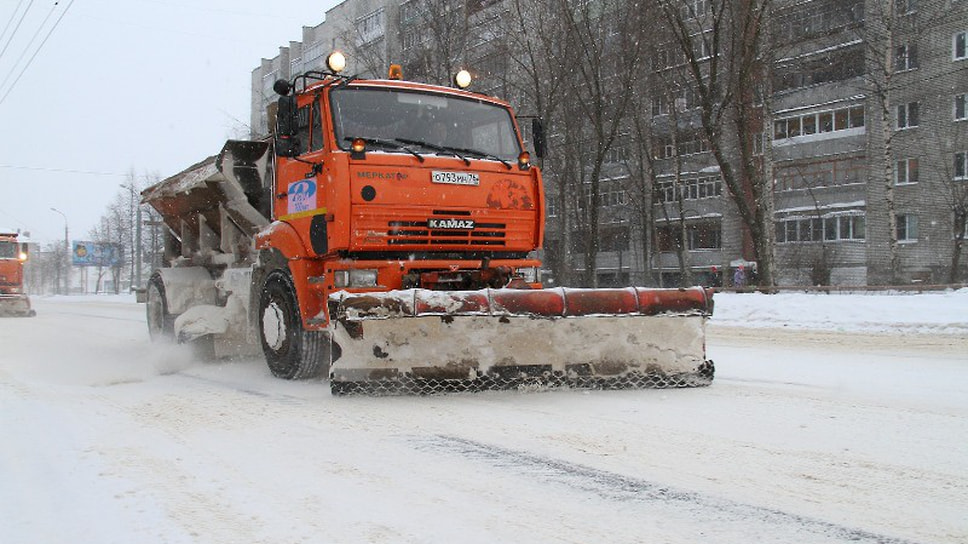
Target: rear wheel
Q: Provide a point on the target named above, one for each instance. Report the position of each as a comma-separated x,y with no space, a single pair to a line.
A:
161,324
291,352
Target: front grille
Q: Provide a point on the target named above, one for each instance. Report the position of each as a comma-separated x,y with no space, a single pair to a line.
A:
417,233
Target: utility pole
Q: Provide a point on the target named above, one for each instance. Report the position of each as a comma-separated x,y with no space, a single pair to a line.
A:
134,238
137,252
67,253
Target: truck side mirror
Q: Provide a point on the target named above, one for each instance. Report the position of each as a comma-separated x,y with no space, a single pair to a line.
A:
538,137
287,127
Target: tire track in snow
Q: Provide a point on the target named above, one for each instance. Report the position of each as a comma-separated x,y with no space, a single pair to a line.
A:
618,488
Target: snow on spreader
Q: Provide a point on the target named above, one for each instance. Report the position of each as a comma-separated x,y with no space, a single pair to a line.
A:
425,341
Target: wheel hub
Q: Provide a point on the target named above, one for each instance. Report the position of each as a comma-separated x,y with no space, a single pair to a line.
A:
273,326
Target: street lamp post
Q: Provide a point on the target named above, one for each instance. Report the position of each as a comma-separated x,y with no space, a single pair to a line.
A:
67,253
134,238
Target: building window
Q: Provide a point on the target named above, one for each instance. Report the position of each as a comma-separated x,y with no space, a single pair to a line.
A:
907,116
613,239
961,165
701,47
411,10
961,107
370,27
618,153
662,58
551,206
410,38
704,236
905,7
837,63
905,57
820,174
758,143
959,46
808,19
691,189
689,143
851,227
906,171
699,236
907,228
827,121
815,229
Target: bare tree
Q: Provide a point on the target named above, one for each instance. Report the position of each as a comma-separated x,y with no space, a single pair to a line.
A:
113,230
435,36
605,61
45,268
536,78
364,38
890,35
948,160
641,185
724,53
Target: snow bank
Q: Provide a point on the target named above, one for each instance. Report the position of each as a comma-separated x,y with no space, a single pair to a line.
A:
923,313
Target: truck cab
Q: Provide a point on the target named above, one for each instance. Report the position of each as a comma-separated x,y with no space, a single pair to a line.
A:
387,184
13,255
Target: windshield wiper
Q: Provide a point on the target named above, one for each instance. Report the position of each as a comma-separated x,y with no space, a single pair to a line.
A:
435,147
386,143
482,155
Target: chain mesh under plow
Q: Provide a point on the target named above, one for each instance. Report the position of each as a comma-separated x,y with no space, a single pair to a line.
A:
410,385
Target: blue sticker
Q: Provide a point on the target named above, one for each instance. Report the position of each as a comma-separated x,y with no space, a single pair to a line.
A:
302,196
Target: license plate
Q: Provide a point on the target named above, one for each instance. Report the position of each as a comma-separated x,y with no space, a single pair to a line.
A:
455,178
455,224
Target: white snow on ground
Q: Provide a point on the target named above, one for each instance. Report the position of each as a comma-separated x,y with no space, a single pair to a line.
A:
833,418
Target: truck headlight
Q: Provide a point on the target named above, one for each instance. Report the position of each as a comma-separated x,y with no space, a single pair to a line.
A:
363,277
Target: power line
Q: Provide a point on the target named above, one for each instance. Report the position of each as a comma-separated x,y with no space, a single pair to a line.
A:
12,34
61,170
12,17
39,47
30,44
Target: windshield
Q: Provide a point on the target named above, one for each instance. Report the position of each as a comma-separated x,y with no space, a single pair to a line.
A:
393,119
8,250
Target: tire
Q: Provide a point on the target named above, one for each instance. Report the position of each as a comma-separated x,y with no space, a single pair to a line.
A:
291,352
161,324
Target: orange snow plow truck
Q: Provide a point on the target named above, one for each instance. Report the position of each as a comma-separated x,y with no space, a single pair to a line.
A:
385,234
13,254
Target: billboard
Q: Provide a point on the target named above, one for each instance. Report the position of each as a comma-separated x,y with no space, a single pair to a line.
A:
96,254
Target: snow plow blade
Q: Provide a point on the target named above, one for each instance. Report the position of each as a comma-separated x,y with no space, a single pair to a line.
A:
15,306
421,341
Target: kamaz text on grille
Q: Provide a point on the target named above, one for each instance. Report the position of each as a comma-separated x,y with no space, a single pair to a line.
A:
461,224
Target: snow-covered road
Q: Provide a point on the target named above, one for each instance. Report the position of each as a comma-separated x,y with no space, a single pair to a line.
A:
805,436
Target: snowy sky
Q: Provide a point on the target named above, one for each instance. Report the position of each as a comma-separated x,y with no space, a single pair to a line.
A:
151,86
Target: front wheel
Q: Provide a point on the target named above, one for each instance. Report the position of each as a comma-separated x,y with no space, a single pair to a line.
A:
291,352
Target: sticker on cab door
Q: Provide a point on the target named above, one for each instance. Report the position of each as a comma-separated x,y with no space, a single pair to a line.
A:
302,196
